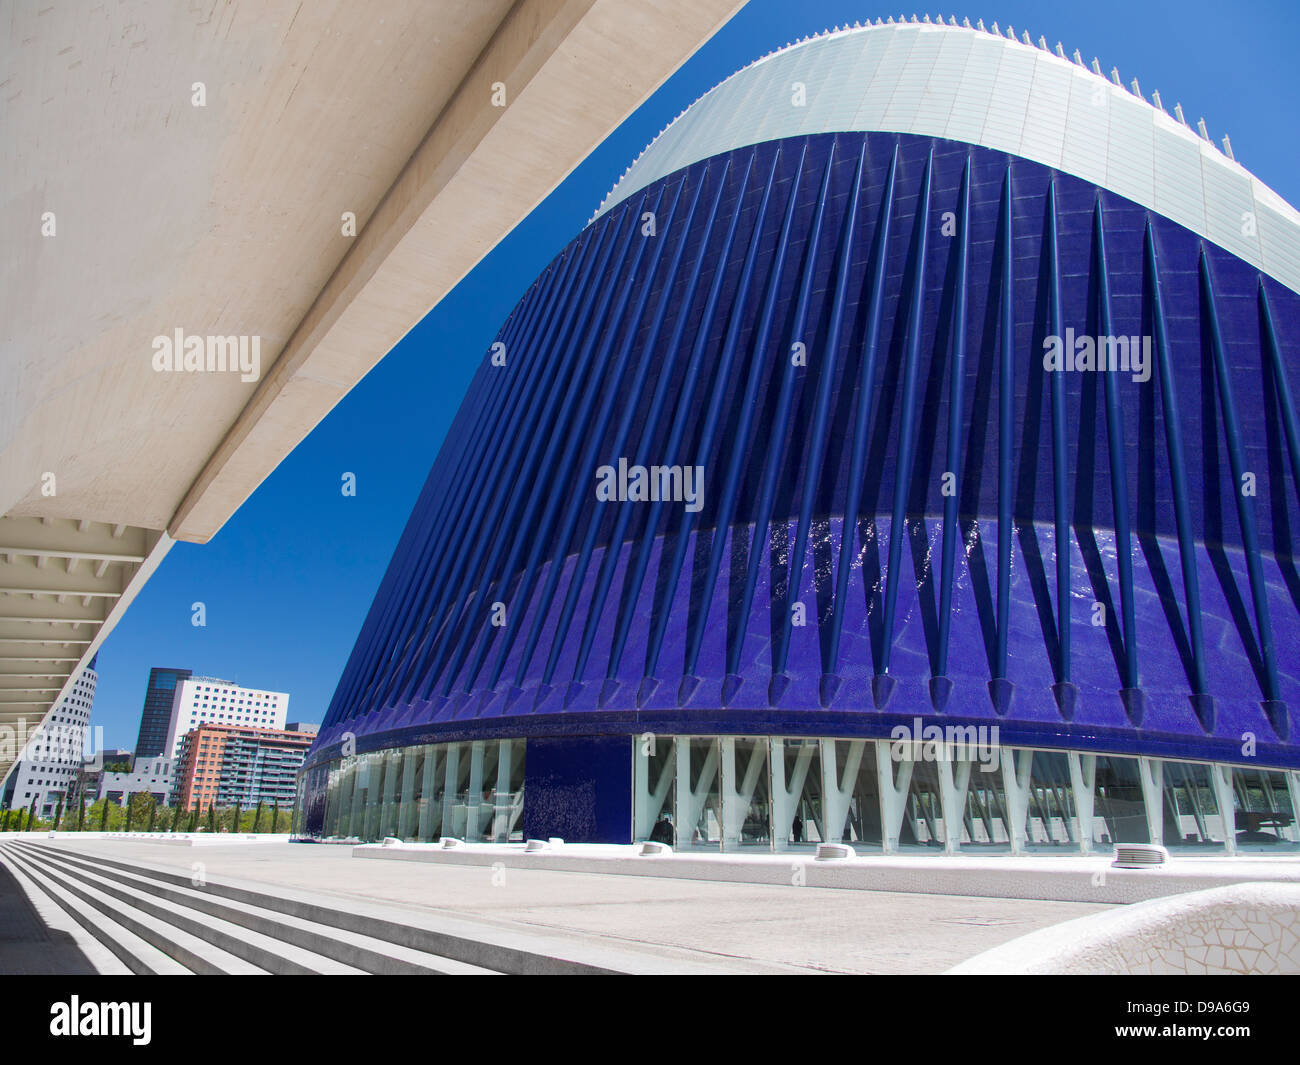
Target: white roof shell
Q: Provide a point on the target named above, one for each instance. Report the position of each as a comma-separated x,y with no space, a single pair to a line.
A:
987,89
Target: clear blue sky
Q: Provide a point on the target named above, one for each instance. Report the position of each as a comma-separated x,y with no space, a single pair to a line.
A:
288,581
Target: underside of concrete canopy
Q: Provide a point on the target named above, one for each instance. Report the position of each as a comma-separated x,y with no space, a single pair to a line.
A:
304,181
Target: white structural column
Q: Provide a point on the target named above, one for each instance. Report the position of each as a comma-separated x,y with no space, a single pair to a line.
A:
342,801
392,781
837,786
1083,782
893,794
690,800
503,802
406,811
432,762
736,797
361,784
1226,801
1293,789
784,797
451,786
954,780
474,799
1017,768
1151,772
650,794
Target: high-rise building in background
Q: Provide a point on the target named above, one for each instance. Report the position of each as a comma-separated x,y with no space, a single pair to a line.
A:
49,766
207,700
155,718
223,765
906,454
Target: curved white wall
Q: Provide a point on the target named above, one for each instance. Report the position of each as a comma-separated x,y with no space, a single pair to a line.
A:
967,85
1244,928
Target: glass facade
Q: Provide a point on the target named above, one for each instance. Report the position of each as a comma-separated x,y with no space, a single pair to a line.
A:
472,791
759,793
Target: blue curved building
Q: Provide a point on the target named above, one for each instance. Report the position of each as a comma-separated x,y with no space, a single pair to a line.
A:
906,454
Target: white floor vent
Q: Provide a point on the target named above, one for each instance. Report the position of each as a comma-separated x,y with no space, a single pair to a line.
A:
1138,856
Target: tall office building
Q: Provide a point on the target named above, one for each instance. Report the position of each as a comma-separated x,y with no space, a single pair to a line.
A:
906,454
50,764
207,700
156,716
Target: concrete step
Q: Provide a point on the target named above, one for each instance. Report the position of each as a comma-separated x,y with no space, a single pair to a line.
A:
390,938
111,948
254,949
349,951
184,947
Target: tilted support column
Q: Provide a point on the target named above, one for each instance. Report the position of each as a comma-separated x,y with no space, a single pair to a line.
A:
736,797
503,801
432,762
837,787
1017,767
784,798
954,779
690,800
1225,800
893,793
450,788
392,780
347,784
1083,781
1151,772
474,801
406,810
650,794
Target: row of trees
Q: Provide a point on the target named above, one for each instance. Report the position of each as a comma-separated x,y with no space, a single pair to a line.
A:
142,813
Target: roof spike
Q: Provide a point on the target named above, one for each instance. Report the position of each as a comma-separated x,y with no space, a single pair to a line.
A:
1137,89
1011,32
891,20
1155,99
952,20
925,19
1059,50
979,23
1077,57
1042,43
1096,67
965,22
1114,76
1227,148
996,30
1025,37
1178,114
1200,125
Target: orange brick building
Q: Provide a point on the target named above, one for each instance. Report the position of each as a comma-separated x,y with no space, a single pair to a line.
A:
224,764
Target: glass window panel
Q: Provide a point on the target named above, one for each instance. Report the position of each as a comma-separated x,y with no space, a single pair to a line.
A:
1265,816
1119,814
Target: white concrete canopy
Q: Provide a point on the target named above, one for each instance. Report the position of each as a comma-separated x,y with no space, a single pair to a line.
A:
190,167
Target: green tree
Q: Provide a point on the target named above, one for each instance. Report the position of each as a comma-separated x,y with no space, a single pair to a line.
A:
234,821
31,815
81,815
176,816
194,818
129,810
212,818
257,817
58,814
103,815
